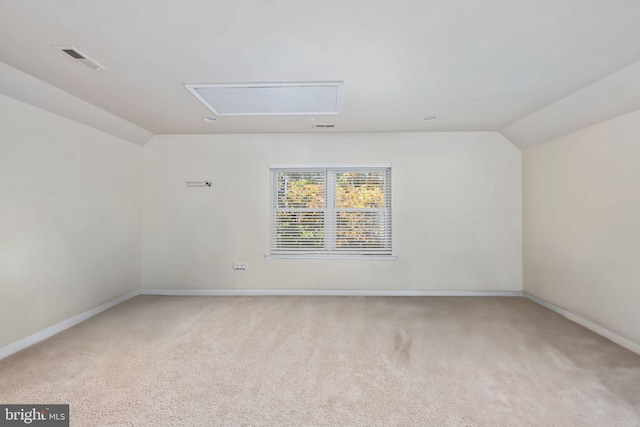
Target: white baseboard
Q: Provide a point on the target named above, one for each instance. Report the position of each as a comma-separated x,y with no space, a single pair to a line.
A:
326,292
65,324
620,340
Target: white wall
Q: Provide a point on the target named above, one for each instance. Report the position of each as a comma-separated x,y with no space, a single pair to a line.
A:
582,224
457,211
70,219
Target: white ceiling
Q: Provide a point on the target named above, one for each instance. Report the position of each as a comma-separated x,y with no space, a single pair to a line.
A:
476,65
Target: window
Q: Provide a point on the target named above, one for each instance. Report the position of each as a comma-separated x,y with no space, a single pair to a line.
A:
329,211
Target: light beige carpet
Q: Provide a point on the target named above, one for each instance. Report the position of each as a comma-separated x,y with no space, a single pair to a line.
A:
345,361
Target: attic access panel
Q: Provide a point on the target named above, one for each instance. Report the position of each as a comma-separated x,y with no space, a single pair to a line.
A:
270,99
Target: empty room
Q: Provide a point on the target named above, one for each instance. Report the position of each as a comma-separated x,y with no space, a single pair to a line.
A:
337,213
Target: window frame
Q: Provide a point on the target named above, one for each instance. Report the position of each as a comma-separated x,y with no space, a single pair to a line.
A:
329,250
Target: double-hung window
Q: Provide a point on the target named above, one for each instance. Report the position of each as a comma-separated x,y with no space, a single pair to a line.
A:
335,210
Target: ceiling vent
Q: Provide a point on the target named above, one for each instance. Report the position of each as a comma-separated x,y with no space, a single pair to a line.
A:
80,57
324,125
270,99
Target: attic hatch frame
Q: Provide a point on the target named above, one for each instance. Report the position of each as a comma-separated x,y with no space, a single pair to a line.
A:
332,99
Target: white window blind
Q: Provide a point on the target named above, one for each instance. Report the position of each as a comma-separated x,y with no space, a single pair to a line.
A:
331,210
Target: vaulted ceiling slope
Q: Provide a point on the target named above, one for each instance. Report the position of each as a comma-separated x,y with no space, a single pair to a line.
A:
512,65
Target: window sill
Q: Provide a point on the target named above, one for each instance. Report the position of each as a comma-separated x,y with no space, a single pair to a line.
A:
344,257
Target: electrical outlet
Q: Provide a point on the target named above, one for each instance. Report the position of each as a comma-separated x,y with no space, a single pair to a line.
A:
242,266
